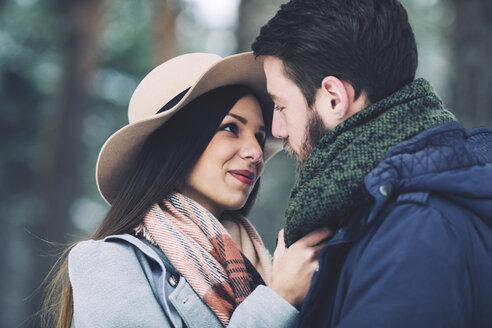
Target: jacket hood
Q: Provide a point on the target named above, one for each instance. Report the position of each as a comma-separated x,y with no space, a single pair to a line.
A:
446,160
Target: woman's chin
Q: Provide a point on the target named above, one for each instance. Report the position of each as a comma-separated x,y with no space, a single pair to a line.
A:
235,205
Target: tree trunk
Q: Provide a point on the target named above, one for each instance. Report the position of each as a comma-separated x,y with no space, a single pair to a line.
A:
471,99
59,179
164,28
244,35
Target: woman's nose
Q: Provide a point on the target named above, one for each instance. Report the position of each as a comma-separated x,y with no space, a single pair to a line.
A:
252,150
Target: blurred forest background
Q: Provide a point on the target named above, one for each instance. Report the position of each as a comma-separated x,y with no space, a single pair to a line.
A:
69,67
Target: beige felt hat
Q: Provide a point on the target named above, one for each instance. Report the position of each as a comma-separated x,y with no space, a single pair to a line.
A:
192,75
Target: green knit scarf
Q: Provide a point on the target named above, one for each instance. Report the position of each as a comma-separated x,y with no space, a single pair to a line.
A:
331,182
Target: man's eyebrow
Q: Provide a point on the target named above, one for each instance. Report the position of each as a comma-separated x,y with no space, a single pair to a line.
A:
243,120
274,97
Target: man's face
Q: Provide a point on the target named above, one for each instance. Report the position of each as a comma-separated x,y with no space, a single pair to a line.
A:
299,126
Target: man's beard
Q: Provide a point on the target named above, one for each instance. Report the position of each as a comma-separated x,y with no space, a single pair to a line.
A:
314,131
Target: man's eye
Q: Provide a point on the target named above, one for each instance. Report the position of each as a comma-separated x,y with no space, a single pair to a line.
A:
278,108
230,127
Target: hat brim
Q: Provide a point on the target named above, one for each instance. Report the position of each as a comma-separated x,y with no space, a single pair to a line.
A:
118,154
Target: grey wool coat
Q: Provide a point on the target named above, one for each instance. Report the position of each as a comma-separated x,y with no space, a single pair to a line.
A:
122,282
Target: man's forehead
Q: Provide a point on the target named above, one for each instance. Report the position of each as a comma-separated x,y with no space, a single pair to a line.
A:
274,68
280,88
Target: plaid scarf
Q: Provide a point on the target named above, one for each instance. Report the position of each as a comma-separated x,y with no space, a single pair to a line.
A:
201,249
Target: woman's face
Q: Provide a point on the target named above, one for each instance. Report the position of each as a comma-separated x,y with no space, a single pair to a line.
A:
228,169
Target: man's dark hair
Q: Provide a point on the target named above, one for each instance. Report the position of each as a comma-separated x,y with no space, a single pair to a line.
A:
367,43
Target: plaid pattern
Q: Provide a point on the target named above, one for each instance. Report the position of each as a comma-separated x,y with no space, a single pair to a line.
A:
201,249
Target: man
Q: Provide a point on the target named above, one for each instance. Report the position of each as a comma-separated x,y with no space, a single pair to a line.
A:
406,188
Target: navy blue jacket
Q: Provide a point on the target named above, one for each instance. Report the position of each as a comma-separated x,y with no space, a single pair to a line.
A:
421,254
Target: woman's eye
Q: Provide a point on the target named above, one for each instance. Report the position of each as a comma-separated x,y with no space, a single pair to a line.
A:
230,127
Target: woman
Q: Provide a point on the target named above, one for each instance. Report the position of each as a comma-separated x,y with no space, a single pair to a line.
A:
174,249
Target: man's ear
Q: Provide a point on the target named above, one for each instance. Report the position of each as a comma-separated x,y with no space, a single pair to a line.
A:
336,97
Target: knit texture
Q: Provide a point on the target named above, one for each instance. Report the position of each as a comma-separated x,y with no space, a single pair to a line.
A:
331,182
202,251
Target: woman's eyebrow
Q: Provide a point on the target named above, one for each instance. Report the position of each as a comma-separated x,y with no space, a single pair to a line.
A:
239,118
244,121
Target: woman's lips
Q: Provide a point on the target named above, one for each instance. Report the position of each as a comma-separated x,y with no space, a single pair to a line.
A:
245,176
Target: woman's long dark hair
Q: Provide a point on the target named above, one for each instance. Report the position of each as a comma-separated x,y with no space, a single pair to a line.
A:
164,161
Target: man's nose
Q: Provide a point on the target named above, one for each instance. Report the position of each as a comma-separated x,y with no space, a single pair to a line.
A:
279,128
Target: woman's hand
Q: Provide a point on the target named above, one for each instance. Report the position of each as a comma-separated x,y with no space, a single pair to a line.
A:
294,267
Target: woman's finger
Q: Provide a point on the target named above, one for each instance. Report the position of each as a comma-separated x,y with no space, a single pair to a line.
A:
280,239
